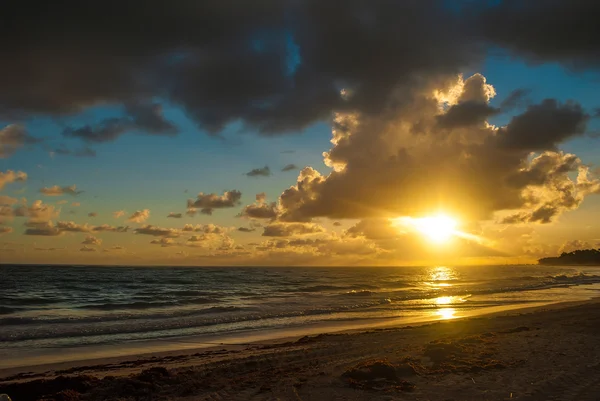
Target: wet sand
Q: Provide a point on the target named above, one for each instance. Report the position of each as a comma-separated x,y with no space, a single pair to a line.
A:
548,353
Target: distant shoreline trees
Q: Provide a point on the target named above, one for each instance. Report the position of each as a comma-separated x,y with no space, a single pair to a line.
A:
579,257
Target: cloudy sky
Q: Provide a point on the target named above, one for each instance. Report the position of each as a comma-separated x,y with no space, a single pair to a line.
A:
298,132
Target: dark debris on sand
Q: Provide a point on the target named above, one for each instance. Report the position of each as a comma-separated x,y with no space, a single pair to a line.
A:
380,375
153,383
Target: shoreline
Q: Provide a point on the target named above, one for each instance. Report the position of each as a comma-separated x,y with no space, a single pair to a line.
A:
530,353
56,359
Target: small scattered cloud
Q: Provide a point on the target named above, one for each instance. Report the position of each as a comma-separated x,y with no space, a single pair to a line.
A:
11,176
118,214
157,231
71,226
197,238
207,203
174,215
12,138
87,249
58,191
259,172
290,167
92,214
337,223
139,216
287,151
205,228
91,240
64,151
46,229
246,229
261,209
74,204
5,229
37,212
164,242
109,228
7,200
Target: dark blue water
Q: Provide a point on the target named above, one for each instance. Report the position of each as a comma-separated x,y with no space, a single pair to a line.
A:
52,306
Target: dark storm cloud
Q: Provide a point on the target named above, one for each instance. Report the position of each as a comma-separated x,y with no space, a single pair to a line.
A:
259,172
146,118
465,114
515,99
267,63
544,126
554,30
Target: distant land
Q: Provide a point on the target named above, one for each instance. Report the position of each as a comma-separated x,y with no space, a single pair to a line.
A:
580,257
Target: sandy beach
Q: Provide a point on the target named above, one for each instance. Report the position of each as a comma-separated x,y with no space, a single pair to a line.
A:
548,353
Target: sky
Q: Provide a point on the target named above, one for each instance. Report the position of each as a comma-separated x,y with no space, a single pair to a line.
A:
299,132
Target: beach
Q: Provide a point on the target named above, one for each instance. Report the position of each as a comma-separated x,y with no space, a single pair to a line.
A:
544,353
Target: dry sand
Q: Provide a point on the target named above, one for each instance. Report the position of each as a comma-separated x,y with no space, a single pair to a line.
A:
551,353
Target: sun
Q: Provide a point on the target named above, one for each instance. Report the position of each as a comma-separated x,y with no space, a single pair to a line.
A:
439,228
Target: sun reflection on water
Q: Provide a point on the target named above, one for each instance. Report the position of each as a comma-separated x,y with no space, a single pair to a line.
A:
443,300
446,313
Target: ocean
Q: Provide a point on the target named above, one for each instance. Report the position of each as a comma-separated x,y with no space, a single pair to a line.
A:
46,309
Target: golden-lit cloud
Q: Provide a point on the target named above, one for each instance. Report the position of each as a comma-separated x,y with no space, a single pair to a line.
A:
261,209
118,214
45,228
158,231
402,165
139,216
86,248
91,240
7,200
11,176
204,228
289,229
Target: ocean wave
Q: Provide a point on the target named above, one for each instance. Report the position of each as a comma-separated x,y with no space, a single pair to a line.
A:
360,293
90,320
146,305
32,301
